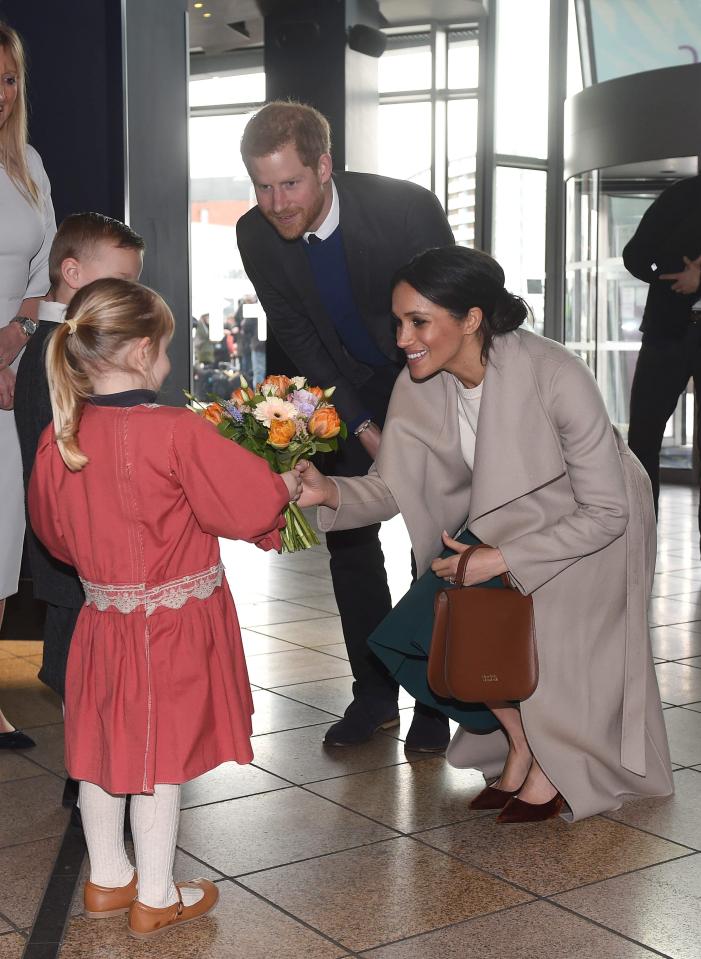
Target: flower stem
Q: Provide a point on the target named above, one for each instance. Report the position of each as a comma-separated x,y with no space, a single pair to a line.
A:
298,534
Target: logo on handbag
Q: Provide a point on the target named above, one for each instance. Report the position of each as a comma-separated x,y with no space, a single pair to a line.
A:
490,678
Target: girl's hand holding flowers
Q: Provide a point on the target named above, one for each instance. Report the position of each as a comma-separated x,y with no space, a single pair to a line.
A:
293,482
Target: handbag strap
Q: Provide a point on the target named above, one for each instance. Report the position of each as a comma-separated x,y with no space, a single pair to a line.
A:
462,565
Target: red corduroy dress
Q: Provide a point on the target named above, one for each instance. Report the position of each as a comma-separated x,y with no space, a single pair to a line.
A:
158,694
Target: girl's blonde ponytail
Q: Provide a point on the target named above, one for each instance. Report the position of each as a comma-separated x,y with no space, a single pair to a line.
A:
68,388
101,319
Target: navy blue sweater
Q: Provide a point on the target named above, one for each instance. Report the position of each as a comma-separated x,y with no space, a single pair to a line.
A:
330,271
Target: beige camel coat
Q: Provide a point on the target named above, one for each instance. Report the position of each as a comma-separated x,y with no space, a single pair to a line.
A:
570,508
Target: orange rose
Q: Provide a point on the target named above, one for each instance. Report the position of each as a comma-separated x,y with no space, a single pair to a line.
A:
242,395
315,391
281,433
325,423
213,413
279,383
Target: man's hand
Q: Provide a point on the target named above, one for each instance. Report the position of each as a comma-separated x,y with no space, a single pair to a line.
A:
7,389
12,339
370,439
688,280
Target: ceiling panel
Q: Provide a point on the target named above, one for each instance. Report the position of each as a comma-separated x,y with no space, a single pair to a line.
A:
213,35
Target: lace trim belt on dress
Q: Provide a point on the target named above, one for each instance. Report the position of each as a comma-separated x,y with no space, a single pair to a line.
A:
171,595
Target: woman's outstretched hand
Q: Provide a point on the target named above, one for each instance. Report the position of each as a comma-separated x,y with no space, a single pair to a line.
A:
483,564
317,489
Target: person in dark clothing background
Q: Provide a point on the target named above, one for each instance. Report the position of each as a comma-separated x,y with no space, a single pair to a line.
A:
321,250
665,252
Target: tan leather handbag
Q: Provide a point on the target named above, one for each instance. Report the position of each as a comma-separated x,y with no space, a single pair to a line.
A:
483,643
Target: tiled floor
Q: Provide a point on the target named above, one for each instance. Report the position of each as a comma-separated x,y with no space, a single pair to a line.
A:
323,854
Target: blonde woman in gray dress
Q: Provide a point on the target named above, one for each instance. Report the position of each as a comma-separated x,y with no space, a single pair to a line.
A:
27,228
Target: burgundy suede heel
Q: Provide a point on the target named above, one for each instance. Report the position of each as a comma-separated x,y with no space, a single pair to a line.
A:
492,797
516,810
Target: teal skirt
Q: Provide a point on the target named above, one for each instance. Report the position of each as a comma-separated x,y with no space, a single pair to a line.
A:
403,639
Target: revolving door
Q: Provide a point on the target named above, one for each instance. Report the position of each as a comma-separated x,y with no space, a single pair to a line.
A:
604,304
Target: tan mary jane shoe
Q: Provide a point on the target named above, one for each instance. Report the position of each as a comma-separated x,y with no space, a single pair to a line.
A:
146,921
103,902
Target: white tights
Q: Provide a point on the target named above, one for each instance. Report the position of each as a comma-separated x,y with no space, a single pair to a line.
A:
154,826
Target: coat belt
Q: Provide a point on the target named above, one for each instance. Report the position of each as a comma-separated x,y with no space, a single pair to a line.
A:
638,561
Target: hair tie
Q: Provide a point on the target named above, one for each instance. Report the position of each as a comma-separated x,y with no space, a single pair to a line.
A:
72,325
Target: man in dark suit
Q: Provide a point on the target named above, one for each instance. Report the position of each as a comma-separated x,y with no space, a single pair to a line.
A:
664,252
321,249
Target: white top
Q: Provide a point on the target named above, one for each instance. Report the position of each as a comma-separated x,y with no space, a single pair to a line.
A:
468,415
332,218
52,312
26,232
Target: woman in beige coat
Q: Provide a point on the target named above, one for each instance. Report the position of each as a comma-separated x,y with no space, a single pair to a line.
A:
502,436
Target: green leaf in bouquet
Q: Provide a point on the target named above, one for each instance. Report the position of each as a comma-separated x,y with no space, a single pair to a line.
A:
250,445
343,432
228,428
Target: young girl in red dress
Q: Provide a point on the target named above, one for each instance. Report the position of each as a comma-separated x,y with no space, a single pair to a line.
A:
134,496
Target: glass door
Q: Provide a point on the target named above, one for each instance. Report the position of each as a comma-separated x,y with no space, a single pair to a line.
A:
604,304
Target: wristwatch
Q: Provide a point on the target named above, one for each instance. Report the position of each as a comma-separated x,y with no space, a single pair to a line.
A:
28,327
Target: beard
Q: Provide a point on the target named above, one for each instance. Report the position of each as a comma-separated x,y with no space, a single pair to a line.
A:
293,222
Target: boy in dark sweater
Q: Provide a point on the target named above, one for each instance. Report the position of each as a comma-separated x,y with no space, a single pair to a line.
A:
87,247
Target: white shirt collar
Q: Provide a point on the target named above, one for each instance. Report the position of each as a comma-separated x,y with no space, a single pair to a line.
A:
332,218
51,311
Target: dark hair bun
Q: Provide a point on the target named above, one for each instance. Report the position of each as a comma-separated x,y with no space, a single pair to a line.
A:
510,311
458,278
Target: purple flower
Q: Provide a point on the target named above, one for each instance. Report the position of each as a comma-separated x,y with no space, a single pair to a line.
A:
233,411
303,401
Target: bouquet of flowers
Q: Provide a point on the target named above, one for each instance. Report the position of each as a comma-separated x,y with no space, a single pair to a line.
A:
284,420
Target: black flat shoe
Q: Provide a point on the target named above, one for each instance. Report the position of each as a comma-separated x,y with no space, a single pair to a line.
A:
428,734
16,740
359,724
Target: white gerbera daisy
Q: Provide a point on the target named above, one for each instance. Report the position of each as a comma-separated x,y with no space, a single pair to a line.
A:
274,409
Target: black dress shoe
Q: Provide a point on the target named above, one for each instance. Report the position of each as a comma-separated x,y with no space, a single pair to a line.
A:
70,793
428,733
16,740
360,723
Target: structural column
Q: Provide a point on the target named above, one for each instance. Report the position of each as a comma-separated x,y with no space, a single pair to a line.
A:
108,114
307,58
